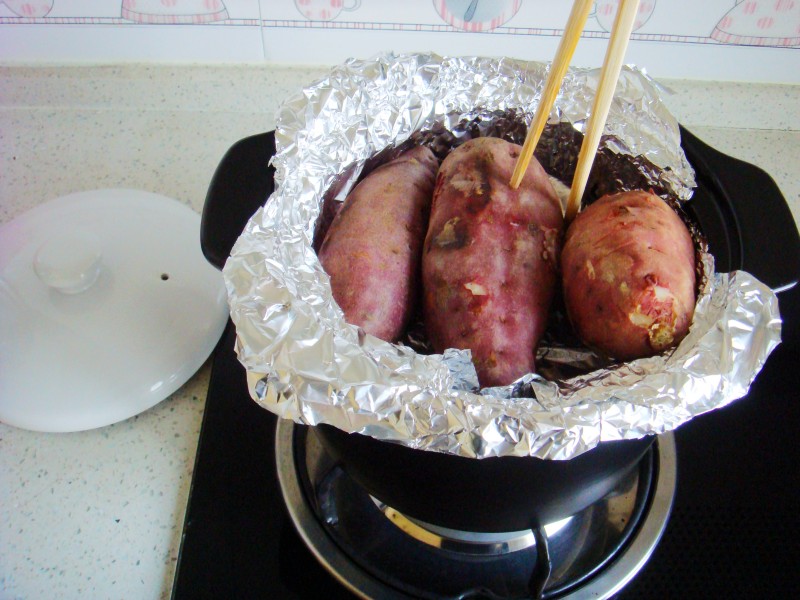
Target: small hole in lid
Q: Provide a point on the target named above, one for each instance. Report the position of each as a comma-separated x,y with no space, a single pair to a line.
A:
164,276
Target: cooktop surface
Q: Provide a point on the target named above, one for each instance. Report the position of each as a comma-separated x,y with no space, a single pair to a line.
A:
734,529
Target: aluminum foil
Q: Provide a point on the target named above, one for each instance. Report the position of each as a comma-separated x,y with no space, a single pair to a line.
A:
305,363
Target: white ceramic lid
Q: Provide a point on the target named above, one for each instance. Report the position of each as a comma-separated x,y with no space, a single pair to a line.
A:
107,306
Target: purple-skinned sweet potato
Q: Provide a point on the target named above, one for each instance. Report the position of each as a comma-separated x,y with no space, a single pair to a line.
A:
373,247
628,269
490,260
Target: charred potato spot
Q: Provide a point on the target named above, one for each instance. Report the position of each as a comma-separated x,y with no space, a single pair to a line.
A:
661,336
486,189
483,189
452,235
466,185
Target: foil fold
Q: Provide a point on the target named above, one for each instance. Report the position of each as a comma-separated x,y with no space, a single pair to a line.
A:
305,363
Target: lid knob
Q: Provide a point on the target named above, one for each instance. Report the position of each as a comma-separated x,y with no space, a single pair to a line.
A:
69,262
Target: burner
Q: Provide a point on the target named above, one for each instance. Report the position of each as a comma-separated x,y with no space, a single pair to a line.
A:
377,552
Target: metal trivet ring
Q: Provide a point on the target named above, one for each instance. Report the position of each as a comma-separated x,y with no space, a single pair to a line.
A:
321,528
465,542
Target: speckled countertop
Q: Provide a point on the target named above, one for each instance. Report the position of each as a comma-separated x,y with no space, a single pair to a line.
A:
98,514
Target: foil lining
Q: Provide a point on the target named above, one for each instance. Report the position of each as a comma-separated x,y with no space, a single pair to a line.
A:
305,363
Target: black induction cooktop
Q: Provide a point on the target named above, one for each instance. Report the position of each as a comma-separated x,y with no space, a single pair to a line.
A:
734,531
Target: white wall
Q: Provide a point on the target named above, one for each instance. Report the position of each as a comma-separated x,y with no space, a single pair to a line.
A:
740,40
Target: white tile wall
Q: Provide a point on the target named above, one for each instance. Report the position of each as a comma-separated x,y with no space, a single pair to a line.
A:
735,40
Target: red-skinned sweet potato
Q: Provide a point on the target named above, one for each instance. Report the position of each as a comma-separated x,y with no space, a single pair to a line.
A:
373,247
490,261
628,269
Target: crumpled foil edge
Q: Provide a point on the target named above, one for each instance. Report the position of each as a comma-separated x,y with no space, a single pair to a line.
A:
305,363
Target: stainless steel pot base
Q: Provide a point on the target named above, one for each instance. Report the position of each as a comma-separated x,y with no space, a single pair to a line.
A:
377,552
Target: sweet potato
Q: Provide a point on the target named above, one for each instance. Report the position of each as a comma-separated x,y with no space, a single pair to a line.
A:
490,261
628,268
373,247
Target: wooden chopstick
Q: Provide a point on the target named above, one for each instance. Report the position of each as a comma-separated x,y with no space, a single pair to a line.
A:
566,48
609,75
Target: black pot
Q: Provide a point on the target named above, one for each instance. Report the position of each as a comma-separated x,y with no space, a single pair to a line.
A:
491,494
508,493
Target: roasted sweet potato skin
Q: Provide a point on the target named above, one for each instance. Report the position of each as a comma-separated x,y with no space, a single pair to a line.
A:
628,269
373,247
490,261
